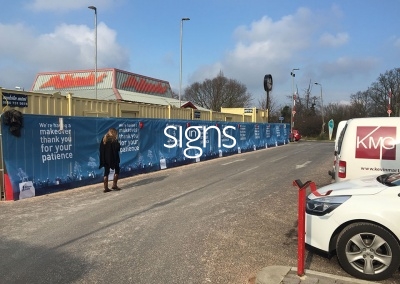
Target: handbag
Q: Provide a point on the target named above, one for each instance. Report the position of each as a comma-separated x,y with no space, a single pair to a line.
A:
111,174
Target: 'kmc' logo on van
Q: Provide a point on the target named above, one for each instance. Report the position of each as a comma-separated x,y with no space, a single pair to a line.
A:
376,142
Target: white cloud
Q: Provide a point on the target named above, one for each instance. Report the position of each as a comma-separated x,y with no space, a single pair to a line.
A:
275,40
17,36
264,47
68,47
330,40
348,67
207,72
274,47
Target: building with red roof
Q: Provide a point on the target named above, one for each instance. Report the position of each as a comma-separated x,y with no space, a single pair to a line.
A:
112,84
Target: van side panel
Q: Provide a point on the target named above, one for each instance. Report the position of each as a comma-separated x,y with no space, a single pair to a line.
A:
370,146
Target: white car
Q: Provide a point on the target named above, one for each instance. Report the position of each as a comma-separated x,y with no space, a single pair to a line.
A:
359,220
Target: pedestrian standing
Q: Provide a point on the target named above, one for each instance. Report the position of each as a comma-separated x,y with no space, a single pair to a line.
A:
109,157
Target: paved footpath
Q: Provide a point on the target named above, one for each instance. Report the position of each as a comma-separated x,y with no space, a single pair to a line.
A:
288,275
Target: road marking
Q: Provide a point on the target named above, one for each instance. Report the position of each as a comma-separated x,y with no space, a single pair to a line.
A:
240,160
302,165
249,169
277,159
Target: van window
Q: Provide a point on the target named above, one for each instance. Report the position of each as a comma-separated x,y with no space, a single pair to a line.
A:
341,138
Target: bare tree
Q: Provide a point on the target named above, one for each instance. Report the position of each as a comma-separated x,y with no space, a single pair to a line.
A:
338,112
218,92
388,84
175,95
375,100
273,109
369,103
361,104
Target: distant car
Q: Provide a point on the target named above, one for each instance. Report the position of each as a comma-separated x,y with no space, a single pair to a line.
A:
359,220
295,135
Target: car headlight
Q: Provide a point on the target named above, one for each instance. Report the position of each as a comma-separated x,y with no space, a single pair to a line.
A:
325,205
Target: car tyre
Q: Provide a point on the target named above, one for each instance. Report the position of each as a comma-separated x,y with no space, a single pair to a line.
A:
368,251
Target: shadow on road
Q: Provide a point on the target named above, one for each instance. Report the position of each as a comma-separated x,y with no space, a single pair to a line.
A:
145,181
22,263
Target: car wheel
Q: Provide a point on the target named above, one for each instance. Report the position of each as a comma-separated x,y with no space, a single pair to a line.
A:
368,251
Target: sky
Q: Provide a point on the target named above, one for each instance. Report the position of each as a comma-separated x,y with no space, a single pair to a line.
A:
342,45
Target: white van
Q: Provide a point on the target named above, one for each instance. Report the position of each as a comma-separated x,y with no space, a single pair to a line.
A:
339,129
368,146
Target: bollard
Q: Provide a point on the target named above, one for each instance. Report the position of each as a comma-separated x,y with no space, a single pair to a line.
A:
301,226
8,191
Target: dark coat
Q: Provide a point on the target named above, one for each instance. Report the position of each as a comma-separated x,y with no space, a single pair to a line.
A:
109,154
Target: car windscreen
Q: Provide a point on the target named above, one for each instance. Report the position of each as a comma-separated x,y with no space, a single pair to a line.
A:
390,179
340,141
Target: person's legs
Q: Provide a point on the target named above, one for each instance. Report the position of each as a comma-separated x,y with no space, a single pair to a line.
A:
105,179
115,180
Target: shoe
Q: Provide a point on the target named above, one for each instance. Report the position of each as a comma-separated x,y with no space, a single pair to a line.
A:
116,188
105,182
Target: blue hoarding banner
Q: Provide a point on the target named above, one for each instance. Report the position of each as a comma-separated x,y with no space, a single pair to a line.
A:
57,153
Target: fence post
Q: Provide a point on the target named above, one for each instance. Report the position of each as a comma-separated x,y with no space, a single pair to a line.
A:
301,227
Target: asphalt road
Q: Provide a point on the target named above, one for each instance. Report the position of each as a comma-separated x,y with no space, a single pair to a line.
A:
219,221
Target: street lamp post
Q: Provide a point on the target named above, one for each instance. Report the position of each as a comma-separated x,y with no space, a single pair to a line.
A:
293,101
180,70
95,48
322,110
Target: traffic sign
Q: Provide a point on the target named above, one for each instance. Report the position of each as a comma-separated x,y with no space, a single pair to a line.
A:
331,123
281,118
389,111
294,112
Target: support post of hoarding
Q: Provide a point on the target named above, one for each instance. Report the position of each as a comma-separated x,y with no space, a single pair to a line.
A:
6,187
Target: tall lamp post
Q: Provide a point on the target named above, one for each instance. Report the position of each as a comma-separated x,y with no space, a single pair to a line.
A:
180,70
293,101
95,48
322,109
